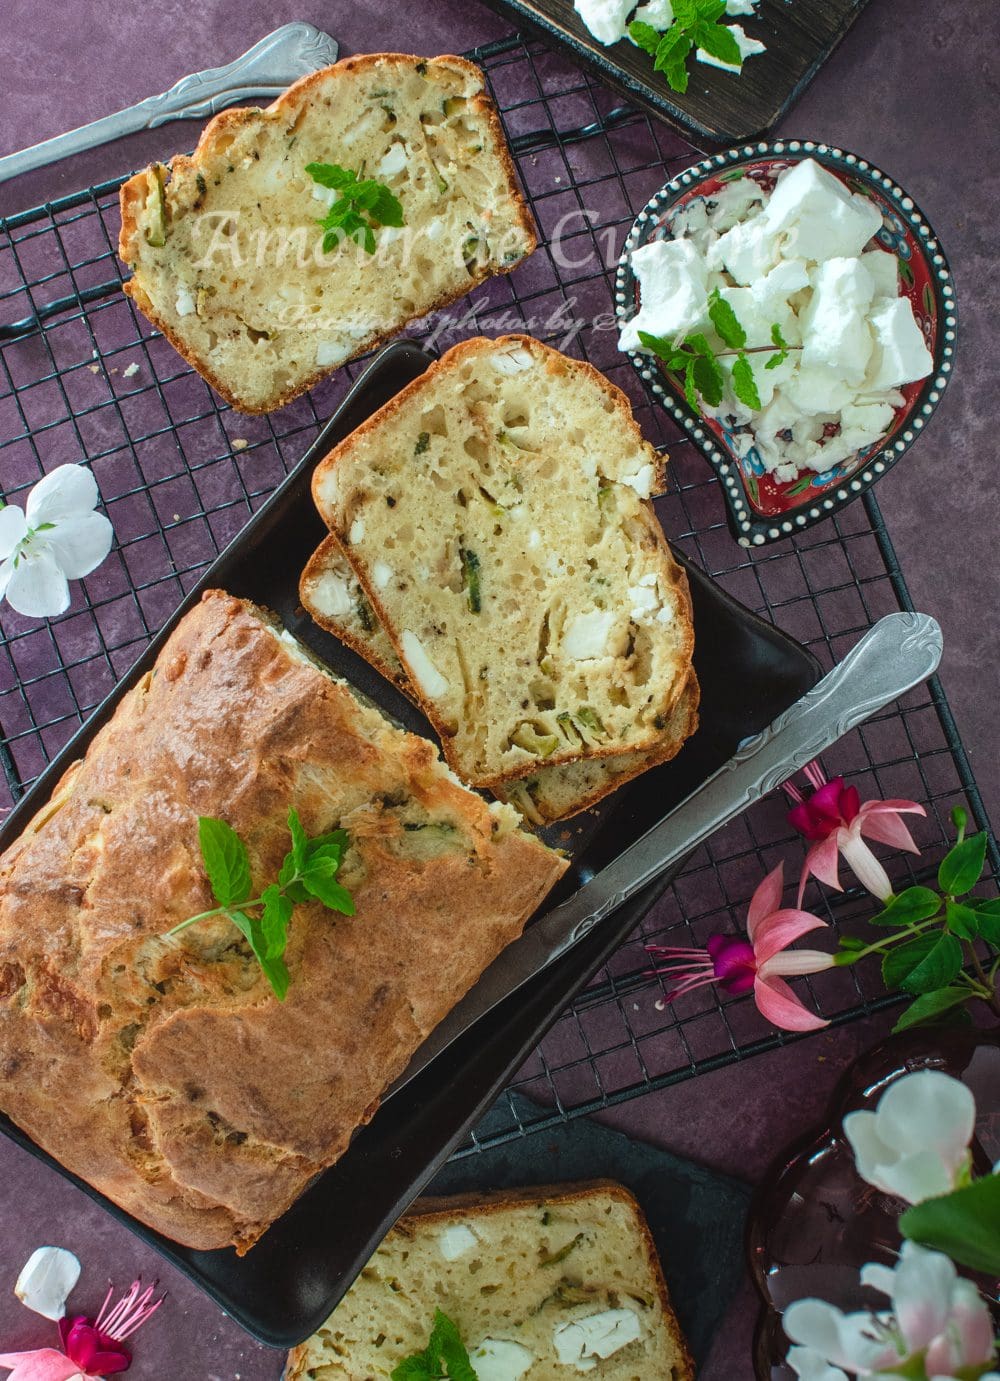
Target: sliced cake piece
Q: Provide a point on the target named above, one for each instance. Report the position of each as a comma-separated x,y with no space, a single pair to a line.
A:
542,1284
225,247
332,595
497,514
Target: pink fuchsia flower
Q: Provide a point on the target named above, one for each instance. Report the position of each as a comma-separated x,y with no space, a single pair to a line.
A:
837,822
758,962
91,1348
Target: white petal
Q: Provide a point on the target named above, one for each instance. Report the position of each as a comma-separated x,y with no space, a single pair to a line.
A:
63,493
871,1153
47,1280
80,544
923,1175
845,1340
6,571
810,1366
878,1277
13,527
37,586
929,1109
863,863
921,1295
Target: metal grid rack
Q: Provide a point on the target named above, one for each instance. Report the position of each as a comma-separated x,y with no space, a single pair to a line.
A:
83,375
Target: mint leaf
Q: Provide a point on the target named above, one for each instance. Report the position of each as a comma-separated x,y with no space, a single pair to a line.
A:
444,1350
413,1368
274,922
931,1005
699,344
719,41
273,967
708,377
777,359
674,359
330,893
744,383
644,36
671,57
330,845
330,175
685,13
961,868
908,907
226,860
923,964
690,386
344,219
300,840
778,338
711,10
726,322
964,1224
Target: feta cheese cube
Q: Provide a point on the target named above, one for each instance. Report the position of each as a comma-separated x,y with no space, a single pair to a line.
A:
672,291
901,355
659,13
817,389
820,217
883,266
457,1241
748,47
607,20
597,1335
420,666
741,6
587,637
835,331
393,162
498,1359
749,250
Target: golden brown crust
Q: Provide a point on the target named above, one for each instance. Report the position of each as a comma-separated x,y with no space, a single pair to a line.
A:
163,1071
557,363
132,196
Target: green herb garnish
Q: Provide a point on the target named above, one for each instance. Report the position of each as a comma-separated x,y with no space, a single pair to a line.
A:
470,579
360,209
308,873
697,362
696,24
445,1356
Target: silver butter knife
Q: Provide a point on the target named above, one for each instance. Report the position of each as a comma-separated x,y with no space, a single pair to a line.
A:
899,652
266,69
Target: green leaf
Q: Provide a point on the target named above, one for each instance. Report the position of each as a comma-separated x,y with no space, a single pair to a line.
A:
906,908
699,344
330,845
330,893
709,380
962,921
777,360
226,860
690,387
931,1005
719,41
344,220
777,337
685,13
744,383
412,1369
988,920
961,868
273,968
923,964
660,347
274,922
300,840
671,57
711,10
331,175
444,1350
964,1224
851,943
726,322
644,36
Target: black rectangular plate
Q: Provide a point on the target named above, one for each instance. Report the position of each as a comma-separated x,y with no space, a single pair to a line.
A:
286,1286
718,107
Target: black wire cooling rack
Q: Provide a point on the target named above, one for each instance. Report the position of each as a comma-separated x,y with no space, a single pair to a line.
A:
82,375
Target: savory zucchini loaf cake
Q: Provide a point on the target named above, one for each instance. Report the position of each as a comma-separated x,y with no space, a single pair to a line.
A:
541,1284
225,247
162,1069
497,514
332,595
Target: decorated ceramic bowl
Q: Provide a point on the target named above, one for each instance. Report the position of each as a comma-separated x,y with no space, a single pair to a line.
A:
814,1222
762,508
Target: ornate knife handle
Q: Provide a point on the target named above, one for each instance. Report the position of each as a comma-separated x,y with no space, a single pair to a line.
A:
266,69
899,652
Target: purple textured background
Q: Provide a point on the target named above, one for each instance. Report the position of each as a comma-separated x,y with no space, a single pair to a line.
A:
907,98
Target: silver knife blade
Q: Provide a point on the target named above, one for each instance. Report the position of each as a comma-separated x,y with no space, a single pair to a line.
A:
896,654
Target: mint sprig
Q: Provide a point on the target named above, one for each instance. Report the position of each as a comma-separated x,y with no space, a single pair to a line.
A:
308,873
362,206
696,24
698,363
445,1356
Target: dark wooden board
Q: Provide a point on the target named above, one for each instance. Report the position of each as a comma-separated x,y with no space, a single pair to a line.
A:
718,107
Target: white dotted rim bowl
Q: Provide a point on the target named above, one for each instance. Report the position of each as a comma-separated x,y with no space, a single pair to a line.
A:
749,527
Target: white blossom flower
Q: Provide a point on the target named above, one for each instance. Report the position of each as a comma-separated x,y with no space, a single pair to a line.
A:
938,1326
56,538
915,1145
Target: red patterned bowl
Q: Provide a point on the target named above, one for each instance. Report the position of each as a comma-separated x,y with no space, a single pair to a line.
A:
761,508
814,1222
